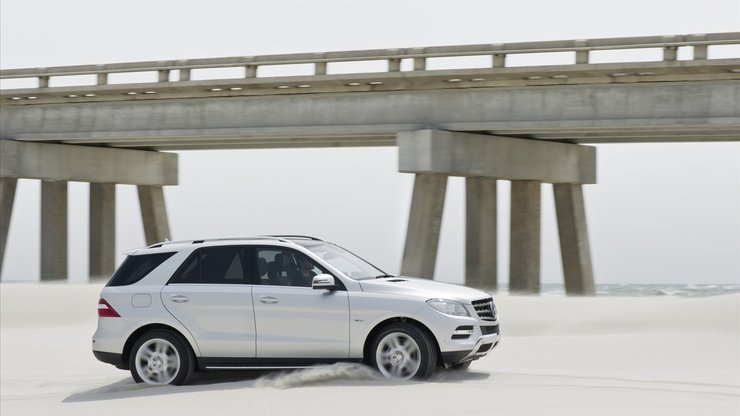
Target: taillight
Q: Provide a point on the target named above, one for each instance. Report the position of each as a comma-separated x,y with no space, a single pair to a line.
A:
105,310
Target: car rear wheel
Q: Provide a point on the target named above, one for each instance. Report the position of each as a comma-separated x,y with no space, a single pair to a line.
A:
402,351
160,357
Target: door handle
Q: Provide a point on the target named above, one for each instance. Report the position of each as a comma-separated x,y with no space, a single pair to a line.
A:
268,299
179,298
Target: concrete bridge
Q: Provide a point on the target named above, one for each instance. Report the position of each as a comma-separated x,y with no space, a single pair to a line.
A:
447,115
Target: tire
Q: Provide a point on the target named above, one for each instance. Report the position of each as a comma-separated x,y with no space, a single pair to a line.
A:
161,357
461,366
403,351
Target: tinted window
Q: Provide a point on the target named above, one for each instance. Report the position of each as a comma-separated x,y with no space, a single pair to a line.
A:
135,268
219,265
283,267
190,271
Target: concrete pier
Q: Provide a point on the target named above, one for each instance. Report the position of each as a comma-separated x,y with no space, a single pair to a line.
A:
7,196
102,230
425,221
154,214
57,164
480,233
524,255
483,159
574,242
53,230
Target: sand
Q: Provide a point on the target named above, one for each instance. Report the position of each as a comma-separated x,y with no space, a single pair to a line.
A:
569,356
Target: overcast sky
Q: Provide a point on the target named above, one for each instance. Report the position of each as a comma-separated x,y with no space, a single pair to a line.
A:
661,213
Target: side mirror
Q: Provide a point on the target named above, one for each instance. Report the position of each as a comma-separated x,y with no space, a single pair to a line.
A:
324,281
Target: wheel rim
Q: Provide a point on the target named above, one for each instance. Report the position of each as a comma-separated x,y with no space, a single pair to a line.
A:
157,361
398,356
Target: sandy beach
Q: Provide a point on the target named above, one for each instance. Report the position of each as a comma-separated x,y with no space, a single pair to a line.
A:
570,356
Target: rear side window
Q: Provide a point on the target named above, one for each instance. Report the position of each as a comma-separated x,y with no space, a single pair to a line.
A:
219,265
135,268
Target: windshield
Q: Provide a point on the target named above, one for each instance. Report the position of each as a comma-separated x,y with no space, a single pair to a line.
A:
347,263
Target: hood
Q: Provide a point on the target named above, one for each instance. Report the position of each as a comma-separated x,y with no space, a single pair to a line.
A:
429,289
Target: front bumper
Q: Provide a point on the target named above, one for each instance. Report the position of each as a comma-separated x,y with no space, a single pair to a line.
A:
483,346
454,346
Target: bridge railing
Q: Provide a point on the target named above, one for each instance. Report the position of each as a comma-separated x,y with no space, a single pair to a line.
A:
581,49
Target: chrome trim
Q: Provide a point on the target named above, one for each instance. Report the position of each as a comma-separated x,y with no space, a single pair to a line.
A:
273,367
484,339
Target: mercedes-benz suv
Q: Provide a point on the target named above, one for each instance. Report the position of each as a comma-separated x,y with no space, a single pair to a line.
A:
273,302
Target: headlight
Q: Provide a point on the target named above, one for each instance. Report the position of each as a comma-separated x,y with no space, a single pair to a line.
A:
448,307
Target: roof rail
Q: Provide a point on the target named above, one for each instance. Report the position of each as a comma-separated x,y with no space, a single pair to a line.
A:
204,240
308,237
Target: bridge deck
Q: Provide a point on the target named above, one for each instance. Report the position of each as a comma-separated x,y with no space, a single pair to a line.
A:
584,102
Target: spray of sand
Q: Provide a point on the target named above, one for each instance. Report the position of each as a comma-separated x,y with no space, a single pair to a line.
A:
319,374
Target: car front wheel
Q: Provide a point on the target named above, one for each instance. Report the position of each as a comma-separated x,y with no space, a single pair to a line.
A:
402,351
160,357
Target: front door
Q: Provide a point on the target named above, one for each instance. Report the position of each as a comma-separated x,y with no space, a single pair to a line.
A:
292,319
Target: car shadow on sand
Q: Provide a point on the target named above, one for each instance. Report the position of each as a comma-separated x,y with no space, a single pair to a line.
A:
339,375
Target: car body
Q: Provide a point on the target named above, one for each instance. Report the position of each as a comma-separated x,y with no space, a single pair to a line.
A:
281,302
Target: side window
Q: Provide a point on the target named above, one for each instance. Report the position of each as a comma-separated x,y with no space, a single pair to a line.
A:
135,268
284,267
190,271
219,265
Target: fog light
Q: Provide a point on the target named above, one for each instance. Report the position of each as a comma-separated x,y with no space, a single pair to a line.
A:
463,332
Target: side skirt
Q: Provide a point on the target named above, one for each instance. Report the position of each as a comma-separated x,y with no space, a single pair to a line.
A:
224,363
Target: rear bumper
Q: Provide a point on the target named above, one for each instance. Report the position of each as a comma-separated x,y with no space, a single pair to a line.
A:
111,358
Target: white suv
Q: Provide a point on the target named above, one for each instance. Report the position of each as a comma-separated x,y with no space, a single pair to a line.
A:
281,302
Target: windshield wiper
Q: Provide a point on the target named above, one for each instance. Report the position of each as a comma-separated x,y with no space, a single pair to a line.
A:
384,276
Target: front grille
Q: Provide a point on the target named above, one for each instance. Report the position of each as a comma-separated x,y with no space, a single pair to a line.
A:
485,309
487,330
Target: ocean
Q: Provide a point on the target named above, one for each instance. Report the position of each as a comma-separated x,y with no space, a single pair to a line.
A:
682,290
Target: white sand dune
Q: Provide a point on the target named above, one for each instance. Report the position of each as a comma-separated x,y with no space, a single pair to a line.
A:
571,356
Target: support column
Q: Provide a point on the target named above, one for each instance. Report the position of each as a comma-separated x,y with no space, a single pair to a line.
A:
53,230
425,221
154,214
102,230
574,246
7,196
480,233
524,259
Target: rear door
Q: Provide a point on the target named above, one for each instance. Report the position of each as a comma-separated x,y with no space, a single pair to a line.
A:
211,295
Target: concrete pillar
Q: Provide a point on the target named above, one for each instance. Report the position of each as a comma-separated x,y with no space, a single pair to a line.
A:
319,68
7,196
425,220
574,245
524,259
250,71
480,233
102,230
164,75
154,214
499,60
53,230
